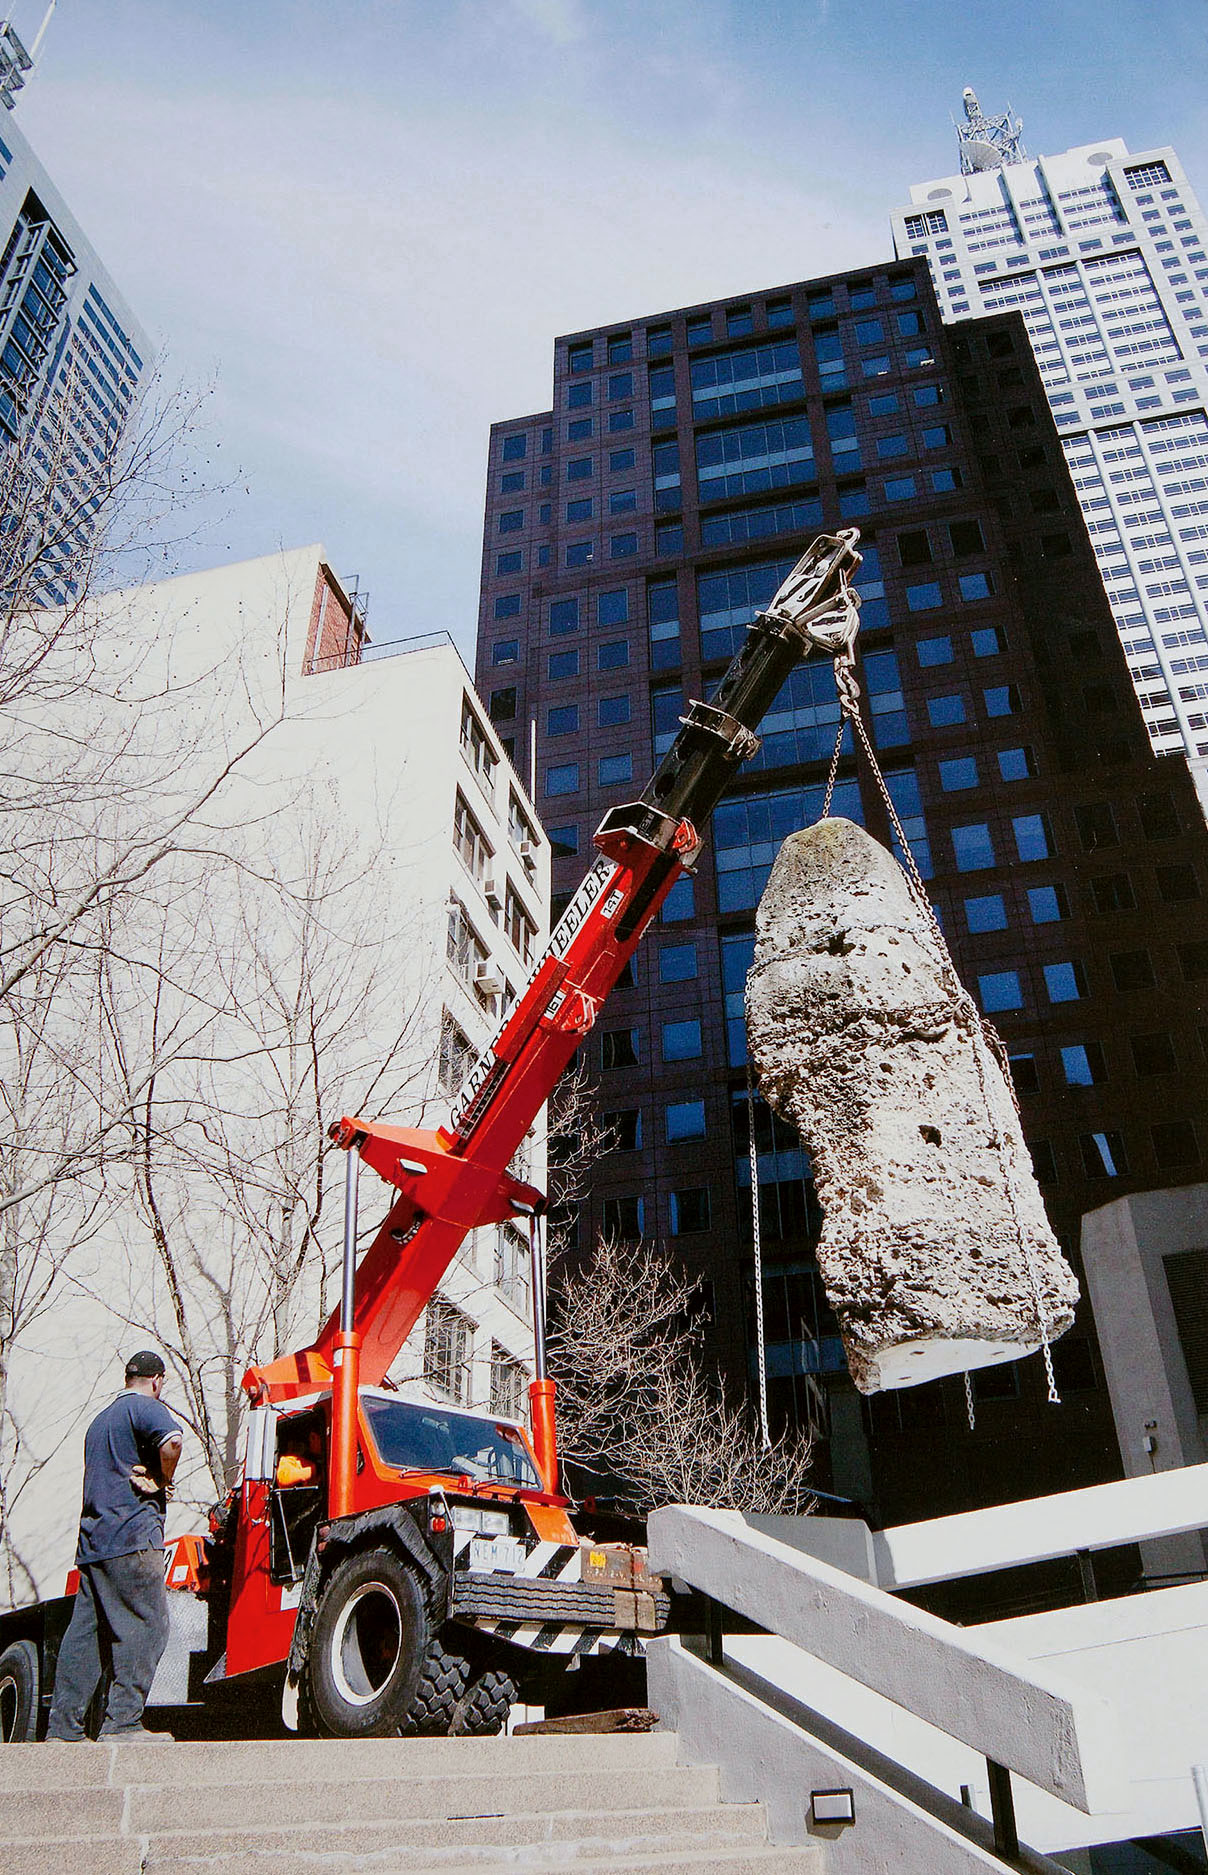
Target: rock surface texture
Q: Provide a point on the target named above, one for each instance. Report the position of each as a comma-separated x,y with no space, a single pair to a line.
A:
936,1252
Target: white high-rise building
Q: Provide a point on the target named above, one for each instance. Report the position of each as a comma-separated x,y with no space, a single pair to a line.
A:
1106,256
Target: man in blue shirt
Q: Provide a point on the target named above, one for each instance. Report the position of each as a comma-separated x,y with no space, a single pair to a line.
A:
120,1617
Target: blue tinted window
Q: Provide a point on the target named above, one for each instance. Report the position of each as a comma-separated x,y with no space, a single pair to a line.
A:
506,651
612,608
514,448
754,457
1016,764
869,332
623,501
658,340
1033,836
563,720
1000,990
579,357
563,664
578,396
748,831
987,643
564,840
902,289
681,1040
562,779
507,605
976,586
579,553
685,1119
925,394
620,348
973,847
579,510
888,446
620,459
1065,983
944,711
884,405
1048,904
621,384
779,312
613,656
564,615
612,711
986,914
900,488
1082,1066
613,769
509,562
621,546
924,598
853,501
910,324
679,902
578,469
677,963
1002,700
512,482
944,480
934,650
620,420
957,774
579,430
511,521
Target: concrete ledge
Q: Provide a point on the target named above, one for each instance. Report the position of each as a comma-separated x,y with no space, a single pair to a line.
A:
765,1757
1056,1735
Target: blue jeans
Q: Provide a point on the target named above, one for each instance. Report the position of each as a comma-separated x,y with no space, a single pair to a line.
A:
120,1621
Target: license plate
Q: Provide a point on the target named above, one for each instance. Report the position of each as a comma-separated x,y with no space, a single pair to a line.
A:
492,1553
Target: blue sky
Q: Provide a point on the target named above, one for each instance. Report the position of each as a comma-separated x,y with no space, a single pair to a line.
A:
364,222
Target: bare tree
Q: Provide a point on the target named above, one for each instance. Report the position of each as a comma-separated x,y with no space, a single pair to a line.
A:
113,789
636,1400
229,1234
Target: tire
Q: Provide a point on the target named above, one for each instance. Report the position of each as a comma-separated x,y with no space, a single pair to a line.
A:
368,1648
20,1683
483,1711
443,1684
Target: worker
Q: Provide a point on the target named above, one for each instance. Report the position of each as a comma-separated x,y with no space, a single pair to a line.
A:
120,1618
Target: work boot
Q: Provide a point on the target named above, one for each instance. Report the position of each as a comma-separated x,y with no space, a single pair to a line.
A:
134,1735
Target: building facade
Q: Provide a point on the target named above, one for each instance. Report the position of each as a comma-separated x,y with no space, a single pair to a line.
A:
1105,254
404,895
632,531
72,359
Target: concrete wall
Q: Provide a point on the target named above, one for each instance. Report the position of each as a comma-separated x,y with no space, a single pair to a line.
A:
1123,1246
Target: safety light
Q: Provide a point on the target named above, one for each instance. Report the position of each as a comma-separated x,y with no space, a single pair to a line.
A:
481,1522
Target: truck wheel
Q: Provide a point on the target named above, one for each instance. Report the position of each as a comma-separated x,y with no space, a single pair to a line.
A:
442,1687
19,1685
367,1647
484,1709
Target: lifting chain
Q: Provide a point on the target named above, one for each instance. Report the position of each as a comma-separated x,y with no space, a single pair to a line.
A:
753,1150
986,1038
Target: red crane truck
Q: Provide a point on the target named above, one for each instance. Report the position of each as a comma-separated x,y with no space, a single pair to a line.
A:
391,1565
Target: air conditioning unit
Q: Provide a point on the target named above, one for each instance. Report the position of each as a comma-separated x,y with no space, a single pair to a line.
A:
492,890
487,980
528,854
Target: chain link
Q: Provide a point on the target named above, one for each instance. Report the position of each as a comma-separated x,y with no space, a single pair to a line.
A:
969,1406
985,1037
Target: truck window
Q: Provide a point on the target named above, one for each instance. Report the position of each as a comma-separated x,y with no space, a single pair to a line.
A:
412,1437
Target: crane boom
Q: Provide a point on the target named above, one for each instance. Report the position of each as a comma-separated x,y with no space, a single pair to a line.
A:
455,1179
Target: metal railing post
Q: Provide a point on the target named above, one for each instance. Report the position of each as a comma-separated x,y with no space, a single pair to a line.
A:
1002,1809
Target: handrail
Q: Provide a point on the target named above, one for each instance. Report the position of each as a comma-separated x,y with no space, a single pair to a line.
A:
1061,1738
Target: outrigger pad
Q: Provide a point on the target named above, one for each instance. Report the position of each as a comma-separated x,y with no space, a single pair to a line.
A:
936,1253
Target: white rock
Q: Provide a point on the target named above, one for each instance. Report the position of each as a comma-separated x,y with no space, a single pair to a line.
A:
936,1253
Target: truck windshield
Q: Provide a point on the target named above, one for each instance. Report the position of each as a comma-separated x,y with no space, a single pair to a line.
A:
412,1437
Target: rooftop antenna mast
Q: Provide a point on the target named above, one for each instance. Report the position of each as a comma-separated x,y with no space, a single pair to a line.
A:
987,142
15,62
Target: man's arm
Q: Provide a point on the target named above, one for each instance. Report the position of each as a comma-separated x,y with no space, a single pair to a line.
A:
169,1457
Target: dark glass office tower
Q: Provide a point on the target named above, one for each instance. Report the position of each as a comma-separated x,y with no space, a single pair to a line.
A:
631,534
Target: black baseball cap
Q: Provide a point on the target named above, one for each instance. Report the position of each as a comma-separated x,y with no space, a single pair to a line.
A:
145,1365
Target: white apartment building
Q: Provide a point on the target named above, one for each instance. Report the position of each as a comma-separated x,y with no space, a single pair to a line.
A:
1105,254
388,763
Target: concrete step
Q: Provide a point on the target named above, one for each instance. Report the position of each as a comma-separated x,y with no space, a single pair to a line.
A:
109,1855
471,1843
81,1813
286,1760
257,1806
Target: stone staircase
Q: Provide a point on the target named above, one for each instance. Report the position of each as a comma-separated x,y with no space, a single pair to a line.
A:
599,1805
